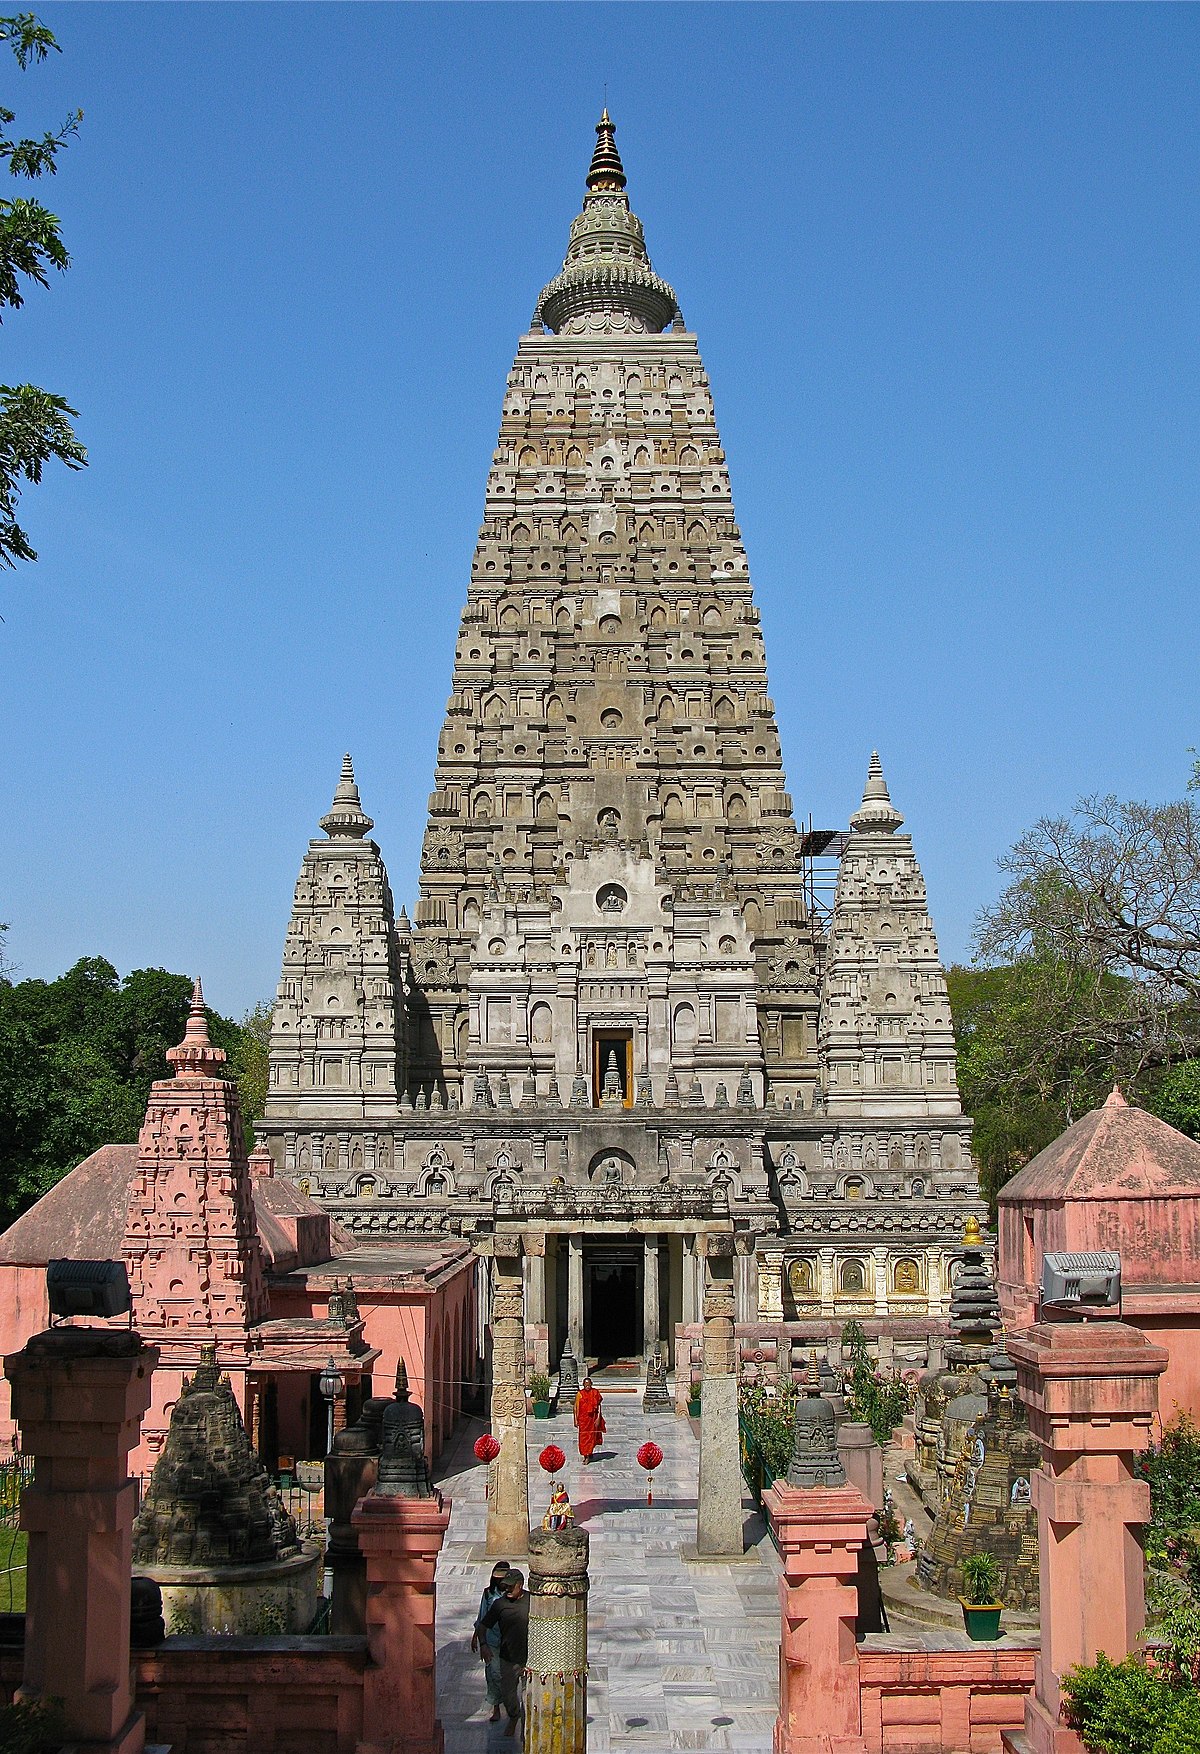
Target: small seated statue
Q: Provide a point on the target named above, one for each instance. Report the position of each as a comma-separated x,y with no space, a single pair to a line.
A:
560,1514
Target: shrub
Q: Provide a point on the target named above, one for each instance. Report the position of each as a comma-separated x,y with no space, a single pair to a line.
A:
1130,1708
31,1728
539,1386
981,1578
878,1401
1173,1469
769,1416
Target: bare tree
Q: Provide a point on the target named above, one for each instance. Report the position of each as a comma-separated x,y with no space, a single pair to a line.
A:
1105,903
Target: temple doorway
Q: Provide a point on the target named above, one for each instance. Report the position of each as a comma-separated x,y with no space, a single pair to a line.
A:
612,1303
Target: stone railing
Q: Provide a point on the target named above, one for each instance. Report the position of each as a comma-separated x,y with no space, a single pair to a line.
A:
273,1695
924,1700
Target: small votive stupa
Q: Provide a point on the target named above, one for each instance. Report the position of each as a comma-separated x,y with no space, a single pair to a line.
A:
213,1531
985,1452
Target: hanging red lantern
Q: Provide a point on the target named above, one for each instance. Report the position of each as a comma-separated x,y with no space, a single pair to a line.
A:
552,1459
649,1457
486,1448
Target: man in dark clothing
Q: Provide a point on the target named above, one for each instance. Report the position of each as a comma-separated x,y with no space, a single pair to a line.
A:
511,1615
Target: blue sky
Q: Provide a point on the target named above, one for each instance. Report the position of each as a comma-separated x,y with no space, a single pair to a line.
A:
942,263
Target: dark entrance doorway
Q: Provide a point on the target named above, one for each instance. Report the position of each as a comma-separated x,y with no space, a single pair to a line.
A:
612,1303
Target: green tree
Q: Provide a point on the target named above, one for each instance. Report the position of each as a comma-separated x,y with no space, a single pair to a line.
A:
77,1058
249,1064
35,424
1023,1071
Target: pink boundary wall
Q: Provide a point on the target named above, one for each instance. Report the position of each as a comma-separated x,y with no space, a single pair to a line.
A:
920,1701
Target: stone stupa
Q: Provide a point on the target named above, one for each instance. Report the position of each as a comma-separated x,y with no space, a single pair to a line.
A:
213,1531
985,1452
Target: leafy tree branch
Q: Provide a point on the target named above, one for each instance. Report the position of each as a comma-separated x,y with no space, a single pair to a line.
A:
35,424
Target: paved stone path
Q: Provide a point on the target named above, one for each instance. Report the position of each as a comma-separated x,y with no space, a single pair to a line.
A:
683,1655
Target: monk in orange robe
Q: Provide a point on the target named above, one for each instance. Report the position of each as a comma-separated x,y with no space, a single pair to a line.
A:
589,1418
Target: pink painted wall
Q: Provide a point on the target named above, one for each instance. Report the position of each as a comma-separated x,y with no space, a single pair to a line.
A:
1158,1240
288,1696
432,1329
922,1702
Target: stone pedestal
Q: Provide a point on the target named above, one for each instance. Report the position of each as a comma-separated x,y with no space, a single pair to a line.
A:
400,1540
719,1506
556,1678
508,1504
1091,1392
348,1476
862,1459
78,1395
820,1531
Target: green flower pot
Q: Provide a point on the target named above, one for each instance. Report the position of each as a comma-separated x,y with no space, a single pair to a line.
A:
982,1620
541,1409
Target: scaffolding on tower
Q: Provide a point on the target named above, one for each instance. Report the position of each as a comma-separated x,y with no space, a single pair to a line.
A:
821,850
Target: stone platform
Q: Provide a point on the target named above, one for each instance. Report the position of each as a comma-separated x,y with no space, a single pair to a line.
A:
683,1654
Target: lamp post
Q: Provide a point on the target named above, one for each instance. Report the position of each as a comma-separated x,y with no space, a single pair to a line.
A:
332,1386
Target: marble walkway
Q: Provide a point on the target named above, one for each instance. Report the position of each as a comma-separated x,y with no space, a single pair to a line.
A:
683,1655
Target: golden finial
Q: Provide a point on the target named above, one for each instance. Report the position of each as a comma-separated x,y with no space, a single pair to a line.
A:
972,1235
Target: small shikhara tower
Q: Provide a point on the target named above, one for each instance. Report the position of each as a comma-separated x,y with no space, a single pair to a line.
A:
616,1024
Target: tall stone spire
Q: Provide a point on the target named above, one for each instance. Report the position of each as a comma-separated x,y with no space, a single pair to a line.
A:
615,905
338,1027
191,1239
876,814
607,285
886,1038
606,170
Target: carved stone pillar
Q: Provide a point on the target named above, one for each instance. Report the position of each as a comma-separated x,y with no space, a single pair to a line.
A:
79,1395
746,1282
508,1506
719,1506
650,1297
1091,1392
575,1295
556,1678
689,1280
770,1285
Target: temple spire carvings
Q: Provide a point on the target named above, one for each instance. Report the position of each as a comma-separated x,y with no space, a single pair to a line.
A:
618,994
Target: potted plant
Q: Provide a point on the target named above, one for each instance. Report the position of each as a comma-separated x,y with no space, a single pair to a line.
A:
694,1398
981,1609
539,1394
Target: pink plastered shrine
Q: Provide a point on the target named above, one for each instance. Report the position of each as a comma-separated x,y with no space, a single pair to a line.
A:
220,1249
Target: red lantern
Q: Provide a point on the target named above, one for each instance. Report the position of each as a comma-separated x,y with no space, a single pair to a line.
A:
552,1458
649,1457
486,1448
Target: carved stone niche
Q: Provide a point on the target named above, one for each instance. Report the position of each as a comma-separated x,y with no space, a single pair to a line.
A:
611,1168
716,1244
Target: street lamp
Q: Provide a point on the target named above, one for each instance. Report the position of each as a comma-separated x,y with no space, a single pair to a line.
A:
332,1386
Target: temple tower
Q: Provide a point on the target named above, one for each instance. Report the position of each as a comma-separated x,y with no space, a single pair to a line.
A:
338,1027
602,1032
611,863
191,1239
887,1045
